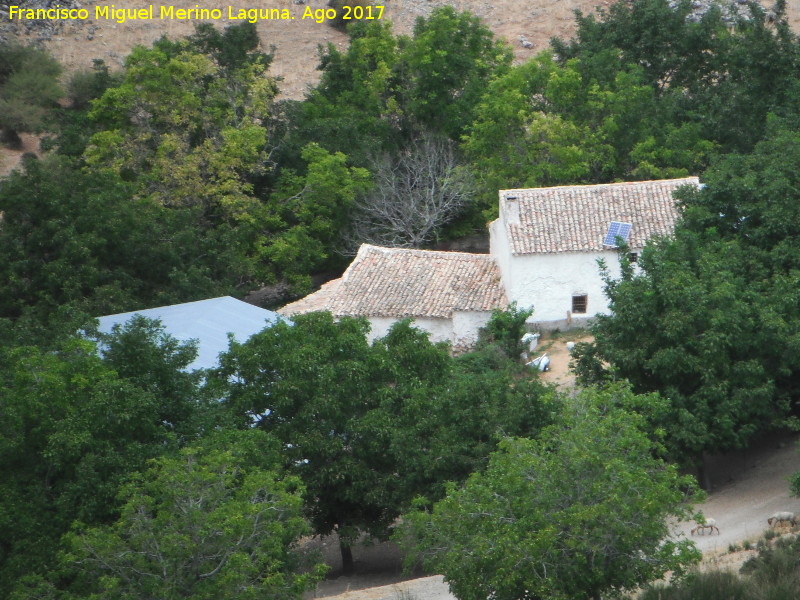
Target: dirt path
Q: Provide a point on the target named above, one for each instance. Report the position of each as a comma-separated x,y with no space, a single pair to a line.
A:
754,486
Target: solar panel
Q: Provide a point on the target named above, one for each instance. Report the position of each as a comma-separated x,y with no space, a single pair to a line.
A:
617,229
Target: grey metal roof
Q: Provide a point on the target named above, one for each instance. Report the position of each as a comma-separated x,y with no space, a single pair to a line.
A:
207,321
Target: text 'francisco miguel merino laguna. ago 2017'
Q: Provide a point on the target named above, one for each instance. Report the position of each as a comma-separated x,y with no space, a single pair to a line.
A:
111,12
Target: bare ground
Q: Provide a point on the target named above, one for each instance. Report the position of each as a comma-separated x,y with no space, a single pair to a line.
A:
77,43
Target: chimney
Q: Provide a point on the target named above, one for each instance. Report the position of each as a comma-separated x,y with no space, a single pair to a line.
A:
511,209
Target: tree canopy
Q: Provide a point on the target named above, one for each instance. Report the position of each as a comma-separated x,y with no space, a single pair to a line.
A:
204,524
577,512
29,89
707,318
367,427
73,429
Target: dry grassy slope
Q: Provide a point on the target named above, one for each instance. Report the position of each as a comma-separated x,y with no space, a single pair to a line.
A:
297,41
75,44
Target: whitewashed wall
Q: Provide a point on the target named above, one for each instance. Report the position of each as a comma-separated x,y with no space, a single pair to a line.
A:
461,331
466,326
549,281
440,330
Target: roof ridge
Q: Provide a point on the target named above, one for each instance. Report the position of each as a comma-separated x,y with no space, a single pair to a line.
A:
690,178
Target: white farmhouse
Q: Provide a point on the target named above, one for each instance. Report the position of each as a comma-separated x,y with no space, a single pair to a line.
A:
547,241
544,248
451,295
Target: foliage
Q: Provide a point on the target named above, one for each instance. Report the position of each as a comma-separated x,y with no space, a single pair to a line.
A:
723,78
189,127
307,214
72,430
75,239
340,22
28,89
770,575
545,123
234,48
142,352
185,129
505,330
554,518
384,90
701,586
87,85
447,64
204,524
709,321
369,427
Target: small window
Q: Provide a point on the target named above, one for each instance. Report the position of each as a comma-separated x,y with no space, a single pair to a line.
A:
579,304
633,257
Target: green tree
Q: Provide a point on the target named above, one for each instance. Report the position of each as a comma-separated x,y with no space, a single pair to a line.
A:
385,90
308,384
578,512
723,75
142,352
307,215
74,425
185,129
77,241
545,124
446,67
710,319
367,427
71,431
505,330
204,524
28,89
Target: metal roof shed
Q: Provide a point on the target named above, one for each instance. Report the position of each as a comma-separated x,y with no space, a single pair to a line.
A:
207,321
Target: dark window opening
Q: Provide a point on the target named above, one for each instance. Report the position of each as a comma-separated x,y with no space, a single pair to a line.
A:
633,257
579,304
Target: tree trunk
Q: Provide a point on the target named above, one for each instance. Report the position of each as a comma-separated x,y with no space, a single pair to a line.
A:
703,476
348,566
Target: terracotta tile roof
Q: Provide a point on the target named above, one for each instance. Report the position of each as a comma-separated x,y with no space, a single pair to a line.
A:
398,282
576,218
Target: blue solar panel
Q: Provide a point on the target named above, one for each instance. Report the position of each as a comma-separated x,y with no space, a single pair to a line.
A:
617,229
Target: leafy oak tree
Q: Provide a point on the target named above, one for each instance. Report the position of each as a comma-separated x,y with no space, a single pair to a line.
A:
545,123
205,524
75,244
578,512
385,89
723,75
368,427
710,318
72,429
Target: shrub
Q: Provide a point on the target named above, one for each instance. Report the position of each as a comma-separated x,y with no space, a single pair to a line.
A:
701,586
339,5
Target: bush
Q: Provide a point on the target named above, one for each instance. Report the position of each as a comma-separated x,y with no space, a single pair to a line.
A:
87,84
715,585
505,330
340,22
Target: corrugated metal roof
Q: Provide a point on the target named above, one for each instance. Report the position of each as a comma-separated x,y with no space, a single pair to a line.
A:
207,321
